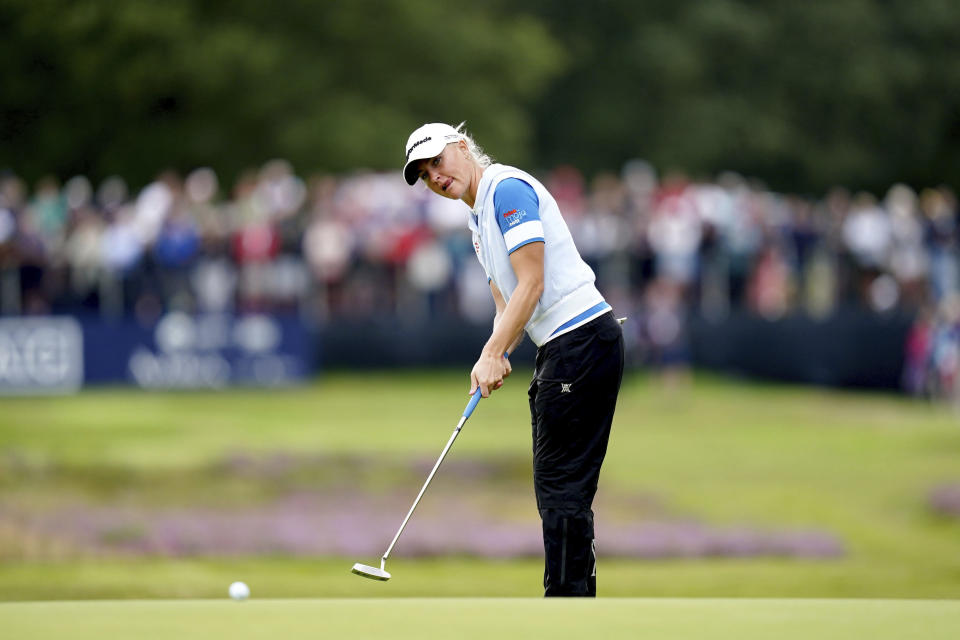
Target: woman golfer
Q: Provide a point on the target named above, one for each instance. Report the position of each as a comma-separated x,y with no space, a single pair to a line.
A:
539,284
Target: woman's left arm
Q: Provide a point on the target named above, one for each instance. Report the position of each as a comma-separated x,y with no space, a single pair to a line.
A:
527,263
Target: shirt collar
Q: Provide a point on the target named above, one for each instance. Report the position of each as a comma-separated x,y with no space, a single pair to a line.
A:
485,181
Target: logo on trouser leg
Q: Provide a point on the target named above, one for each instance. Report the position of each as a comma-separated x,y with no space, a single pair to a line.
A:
593,551
565,387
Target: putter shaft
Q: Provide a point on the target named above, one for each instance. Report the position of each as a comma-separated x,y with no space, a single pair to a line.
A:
426,484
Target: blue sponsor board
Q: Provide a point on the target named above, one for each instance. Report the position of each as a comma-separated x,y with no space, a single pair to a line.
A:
184,351
180,351
40,355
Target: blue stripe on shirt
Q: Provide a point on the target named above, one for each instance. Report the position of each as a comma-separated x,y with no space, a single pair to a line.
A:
527,242
594,310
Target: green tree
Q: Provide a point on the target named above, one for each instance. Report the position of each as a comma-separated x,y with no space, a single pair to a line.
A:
803,95
134,87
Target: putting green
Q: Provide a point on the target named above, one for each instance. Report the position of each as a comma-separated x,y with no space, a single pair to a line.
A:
670,619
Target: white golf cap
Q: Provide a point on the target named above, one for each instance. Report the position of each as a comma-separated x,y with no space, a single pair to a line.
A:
427,142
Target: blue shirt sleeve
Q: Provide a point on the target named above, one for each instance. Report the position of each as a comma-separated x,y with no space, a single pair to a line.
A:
517,209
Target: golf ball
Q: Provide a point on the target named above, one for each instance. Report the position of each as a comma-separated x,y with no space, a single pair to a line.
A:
239,591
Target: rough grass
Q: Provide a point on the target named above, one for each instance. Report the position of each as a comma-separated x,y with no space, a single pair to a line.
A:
725,453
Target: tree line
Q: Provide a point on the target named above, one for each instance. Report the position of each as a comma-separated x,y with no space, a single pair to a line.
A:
802,95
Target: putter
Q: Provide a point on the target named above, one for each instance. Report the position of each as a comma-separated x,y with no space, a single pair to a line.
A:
381,574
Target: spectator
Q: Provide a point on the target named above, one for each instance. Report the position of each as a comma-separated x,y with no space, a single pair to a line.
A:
364,244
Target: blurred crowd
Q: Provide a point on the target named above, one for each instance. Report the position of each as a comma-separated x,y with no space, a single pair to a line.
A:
663,247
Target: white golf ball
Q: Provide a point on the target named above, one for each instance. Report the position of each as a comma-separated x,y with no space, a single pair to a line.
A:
239,591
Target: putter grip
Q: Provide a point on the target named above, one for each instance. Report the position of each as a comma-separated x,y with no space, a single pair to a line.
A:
473,403
476,397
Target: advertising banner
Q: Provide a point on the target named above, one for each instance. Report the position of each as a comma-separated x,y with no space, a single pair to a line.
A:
40,355
180,351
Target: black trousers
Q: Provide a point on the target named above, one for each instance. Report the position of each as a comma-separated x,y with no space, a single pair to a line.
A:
573,396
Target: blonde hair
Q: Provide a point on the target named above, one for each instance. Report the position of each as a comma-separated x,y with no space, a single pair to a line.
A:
476,151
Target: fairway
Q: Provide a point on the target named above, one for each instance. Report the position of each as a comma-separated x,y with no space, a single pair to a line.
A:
673,619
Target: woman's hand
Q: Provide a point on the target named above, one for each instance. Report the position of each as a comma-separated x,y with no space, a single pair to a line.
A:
488,374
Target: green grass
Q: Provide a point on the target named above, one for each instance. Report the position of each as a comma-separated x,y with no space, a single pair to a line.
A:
859,465
460,577
487,618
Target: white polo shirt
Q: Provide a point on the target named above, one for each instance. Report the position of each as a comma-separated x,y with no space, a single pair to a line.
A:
570,298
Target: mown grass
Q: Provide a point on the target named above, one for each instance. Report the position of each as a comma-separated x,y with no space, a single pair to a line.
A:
669,619
726,452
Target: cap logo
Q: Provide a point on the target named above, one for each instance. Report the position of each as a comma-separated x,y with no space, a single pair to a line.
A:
417,144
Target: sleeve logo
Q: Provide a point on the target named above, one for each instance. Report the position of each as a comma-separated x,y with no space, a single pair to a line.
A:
514,216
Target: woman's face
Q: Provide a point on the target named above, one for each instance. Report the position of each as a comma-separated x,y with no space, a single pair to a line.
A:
450,173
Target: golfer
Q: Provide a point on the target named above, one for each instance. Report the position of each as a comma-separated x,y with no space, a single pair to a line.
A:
539,284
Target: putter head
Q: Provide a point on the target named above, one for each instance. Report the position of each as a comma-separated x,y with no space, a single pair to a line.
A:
370,572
